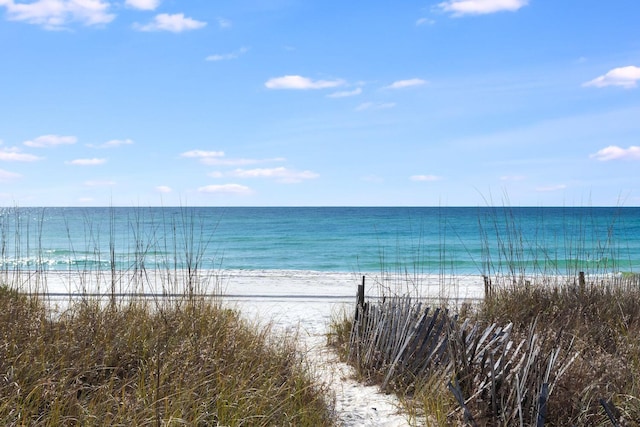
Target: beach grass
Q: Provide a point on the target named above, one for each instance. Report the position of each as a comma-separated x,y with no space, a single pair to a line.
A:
185,362
602,318
580,339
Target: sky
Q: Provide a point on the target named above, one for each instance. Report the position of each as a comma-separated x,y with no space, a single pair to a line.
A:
319,103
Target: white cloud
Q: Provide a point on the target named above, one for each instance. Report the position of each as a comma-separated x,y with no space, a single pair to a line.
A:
626,77
375,106
7,176
301,83
175,23
56,14
87,162
215,158
613,152
227,56
282,174
202,154
426,178
214,161
549,188
163,189
51,141
99,183
14,155
112,143
346,93
143,4
400,84
425,21
225,188
480,7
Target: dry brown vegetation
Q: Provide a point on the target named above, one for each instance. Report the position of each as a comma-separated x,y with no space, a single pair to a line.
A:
185,362
602,318
580,339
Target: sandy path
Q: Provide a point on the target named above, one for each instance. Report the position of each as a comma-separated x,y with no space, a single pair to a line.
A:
356,404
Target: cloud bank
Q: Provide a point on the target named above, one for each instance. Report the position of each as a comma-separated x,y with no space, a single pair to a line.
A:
14,155
300,83
225,189
626,77
281,174
58,14
401,84
87,162
175,23
143,4
480,7
51,141
613,152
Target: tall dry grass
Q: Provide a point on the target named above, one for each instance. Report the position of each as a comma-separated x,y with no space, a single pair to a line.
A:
578,344
189,363
602,318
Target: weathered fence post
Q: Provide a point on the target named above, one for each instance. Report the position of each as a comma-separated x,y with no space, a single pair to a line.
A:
487,286
581,281
360,299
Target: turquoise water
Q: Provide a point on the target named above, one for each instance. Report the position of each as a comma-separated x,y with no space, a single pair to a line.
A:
439,240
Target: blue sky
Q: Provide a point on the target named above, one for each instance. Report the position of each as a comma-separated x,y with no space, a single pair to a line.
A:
300,102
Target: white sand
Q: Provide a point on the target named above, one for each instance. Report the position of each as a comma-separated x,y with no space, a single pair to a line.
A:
302,301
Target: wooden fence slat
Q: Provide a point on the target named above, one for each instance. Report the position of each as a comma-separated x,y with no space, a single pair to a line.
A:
402,353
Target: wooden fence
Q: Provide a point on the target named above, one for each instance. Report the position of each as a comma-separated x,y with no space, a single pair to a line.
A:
495,377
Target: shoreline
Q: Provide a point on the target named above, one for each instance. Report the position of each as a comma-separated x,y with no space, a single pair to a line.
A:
271,284
242,283
286,298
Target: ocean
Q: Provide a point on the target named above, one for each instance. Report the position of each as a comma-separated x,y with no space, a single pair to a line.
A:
417,240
